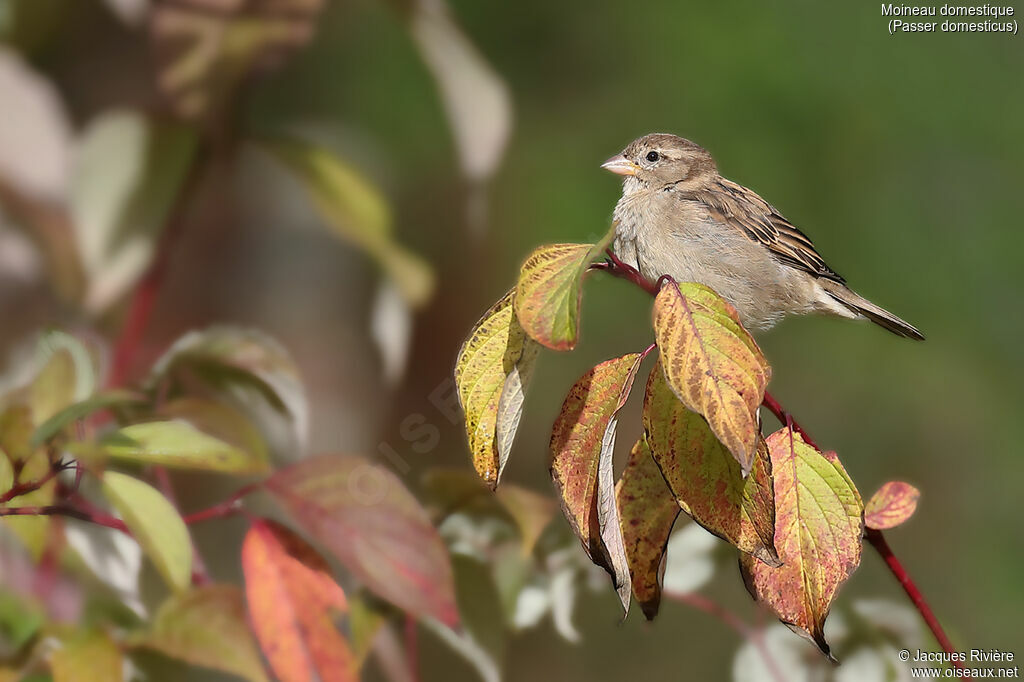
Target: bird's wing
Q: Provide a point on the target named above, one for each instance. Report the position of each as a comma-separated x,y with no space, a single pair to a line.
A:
736,205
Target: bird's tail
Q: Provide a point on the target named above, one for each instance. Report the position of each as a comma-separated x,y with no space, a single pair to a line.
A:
862,306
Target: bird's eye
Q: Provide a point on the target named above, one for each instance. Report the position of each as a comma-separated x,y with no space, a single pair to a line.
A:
653,156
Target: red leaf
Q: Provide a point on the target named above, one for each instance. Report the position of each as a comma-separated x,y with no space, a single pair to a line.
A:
891,506
363,514
582,444
648,511
291,599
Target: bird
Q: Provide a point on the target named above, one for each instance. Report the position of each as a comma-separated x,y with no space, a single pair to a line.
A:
678,217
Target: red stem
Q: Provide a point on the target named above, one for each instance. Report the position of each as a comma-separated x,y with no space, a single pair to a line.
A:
64,509
140,309
31,486
229,507
619,269
877,540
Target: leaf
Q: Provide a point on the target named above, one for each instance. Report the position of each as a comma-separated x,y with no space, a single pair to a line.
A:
80,410
6,473
220,421
363,514
492,373
712,364
155,524
891,506
704,477
33,531
355,210
113,557
246,367
475,98
819,524
119,209
205,49
87,657
582,447
206,626
549,292
292,598
648,511
179,445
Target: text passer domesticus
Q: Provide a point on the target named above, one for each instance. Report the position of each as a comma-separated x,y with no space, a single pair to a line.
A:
679,217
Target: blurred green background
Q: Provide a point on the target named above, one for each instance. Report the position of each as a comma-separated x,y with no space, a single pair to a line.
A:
902,157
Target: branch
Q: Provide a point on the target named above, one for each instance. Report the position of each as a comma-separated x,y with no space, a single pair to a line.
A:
68,510
617,268
713,608
229,507
143,300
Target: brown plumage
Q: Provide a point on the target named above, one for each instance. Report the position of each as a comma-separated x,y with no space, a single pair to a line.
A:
679,217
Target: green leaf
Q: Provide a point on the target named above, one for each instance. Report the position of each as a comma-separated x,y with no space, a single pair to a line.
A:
119,209
33,531
363,514
179,445
705,478
67,374
549,292
648,510
80,410
891,506
155,524
207,626
87,657
712,364
582,446
220,421
819,524
355,210
243,367
492,373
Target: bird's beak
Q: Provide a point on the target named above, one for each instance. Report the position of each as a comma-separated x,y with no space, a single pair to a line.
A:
620,165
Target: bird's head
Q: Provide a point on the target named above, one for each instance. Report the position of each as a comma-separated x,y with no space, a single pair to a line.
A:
659,160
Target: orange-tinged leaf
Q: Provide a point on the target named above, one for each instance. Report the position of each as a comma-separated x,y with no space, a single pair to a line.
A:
292,598
549,291
492,373
712,364
819,524
206,626
363,514
87,657
705,478
891,506
648,511
582,445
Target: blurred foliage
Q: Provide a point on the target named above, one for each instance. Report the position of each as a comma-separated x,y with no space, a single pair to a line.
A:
900,157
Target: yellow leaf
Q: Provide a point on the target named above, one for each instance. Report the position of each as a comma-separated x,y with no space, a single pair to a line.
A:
155,524
818,529
87,657
492,373
712,364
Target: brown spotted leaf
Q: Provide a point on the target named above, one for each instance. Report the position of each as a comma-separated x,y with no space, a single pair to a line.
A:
648,511
363,514
705,478
292,600
582,446
891,506
492,373
819,524
549,291
712,364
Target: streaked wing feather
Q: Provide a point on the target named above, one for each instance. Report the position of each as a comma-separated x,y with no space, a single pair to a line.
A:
732,203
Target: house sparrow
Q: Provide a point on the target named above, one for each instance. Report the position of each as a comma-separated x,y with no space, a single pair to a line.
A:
679,217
